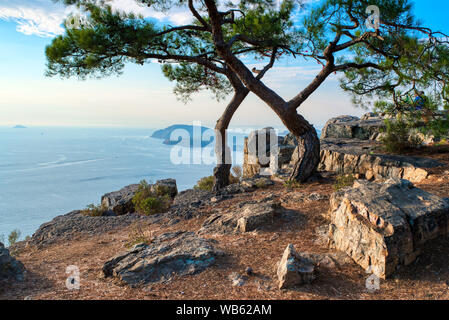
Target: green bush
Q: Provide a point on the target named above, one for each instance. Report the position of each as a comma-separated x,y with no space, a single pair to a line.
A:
206,183
398,137
14,236
344,181
93,211
149,200
292,184
137,236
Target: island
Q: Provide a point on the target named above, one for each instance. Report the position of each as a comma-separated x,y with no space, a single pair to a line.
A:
166,135
19,126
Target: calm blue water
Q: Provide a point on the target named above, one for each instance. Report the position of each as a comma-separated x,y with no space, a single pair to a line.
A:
45,172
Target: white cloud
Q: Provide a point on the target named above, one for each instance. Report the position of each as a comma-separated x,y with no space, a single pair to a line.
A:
44,18
35,17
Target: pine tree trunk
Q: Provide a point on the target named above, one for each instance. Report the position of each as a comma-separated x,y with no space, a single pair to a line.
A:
222,150
307,154
307,157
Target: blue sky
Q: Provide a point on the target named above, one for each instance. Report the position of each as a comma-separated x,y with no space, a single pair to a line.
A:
141,97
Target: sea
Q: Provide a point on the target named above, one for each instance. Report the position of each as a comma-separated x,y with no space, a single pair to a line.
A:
46,172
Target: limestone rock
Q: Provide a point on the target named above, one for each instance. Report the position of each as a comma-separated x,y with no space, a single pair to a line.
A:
169,185
349,127
383,225
258,158
180,253
70,225
10,268
237,279
353,156
256,152
294,270
249,217
120,202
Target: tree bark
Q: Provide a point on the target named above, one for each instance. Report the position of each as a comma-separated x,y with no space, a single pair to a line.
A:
309,145
307,154
222,150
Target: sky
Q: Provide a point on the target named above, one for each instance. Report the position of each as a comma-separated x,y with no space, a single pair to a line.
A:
141,97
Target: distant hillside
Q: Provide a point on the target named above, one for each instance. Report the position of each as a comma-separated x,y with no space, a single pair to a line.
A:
19,126
166,135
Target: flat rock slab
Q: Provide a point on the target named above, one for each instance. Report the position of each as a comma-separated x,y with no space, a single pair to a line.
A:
10,268
179,253
354,156
249,217
68,226
383,225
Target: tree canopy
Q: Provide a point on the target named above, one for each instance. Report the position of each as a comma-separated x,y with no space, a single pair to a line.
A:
380,61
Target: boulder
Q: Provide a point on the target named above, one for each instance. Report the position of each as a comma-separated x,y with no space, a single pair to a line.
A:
382,226
294,269
354,156
248,217
256,155
10,268
179,253
168,185
120,202
349,127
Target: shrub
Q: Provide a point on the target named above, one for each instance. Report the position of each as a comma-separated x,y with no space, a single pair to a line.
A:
93,210
149,200
292,184
233,179
162,190
206,183
14,236
398,137
138,236
344,181
261,184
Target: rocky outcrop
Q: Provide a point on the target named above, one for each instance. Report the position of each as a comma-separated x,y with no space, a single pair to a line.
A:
349,145
258,158
68,226
294,269
383,225
121,202
248,217
349,127
10,268
354,156
167,186
180,253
